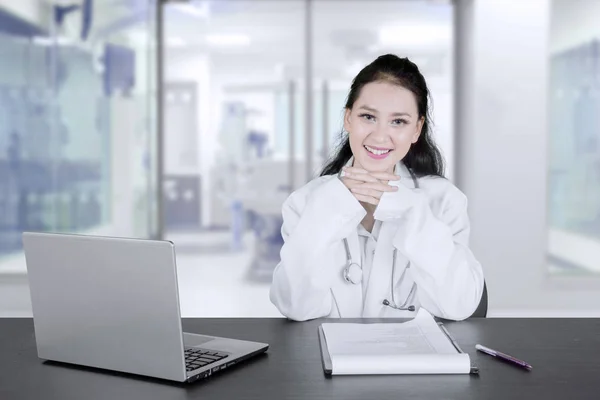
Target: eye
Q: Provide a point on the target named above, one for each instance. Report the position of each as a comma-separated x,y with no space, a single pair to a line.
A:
400,122
368,117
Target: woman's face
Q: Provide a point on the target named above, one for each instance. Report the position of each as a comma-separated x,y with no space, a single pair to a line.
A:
382,125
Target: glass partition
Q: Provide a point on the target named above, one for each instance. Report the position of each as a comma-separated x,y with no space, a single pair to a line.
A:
574,139
77,122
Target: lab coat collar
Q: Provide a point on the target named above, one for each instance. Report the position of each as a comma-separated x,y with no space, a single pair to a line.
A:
402,171
362,231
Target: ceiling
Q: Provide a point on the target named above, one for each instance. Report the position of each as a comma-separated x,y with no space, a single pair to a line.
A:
345,34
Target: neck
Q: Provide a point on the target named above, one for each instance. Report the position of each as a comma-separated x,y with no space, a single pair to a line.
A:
368,222
369,208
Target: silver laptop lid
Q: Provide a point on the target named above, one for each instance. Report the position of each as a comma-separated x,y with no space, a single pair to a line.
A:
106,302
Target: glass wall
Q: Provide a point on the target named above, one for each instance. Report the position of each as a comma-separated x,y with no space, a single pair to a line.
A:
574,139
27,174
77,122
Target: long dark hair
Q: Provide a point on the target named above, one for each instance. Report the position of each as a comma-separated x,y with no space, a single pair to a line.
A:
423,157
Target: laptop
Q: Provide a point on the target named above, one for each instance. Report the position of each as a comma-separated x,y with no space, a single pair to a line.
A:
113,303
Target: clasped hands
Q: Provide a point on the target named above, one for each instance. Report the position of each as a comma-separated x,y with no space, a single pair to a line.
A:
368,187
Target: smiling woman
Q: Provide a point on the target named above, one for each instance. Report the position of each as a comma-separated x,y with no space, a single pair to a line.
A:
387,112
380,130
381,223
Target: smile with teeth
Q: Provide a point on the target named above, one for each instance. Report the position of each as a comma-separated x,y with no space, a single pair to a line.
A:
376,151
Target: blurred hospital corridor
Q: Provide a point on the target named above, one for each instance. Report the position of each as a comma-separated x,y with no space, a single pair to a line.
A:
193,121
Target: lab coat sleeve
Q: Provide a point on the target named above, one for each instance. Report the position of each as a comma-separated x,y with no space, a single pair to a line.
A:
313,223
448,277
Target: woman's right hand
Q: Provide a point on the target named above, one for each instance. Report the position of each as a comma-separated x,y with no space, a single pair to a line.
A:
368,187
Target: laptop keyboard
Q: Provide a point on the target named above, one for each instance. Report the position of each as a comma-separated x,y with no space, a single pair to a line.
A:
197,358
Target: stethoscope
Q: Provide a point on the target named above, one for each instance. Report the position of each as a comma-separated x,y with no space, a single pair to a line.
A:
352,272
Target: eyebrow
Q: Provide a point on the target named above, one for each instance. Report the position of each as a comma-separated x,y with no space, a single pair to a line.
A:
397,114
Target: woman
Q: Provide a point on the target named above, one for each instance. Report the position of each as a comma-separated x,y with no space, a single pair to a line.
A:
381,232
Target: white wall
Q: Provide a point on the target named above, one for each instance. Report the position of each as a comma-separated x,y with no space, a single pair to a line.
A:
183,65
502,140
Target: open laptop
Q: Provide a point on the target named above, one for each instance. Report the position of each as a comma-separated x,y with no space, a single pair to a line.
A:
113,303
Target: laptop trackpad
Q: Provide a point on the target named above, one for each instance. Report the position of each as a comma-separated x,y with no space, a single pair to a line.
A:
193,340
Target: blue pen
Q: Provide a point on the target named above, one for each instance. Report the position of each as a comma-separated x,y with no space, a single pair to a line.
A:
503,356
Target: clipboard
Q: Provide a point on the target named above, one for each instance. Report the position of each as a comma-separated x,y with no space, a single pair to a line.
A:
328,364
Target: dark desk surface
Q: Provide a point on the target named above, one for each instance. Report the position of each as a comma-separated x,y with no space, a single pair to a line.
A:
565,354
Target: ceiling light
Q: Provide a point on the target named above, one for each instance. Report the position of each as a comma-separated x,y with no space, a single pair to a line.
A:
228,40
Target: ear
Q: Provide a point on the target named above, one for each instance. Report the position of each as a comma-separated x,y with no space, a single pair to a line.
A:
347,119
417,134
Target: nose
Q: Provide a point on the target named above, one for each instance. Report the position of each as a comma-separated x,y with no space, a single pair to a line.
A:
380,133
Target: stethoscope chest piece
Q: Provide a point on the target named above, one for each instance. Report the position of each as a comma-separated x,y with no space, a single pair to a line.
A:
353,273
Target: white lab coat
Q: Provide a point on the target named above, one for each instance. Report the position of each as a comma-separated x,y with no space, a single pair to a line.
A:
429,226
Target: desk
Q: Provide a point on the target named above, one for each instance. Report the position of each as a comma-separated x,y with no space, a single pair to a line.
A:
565,354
